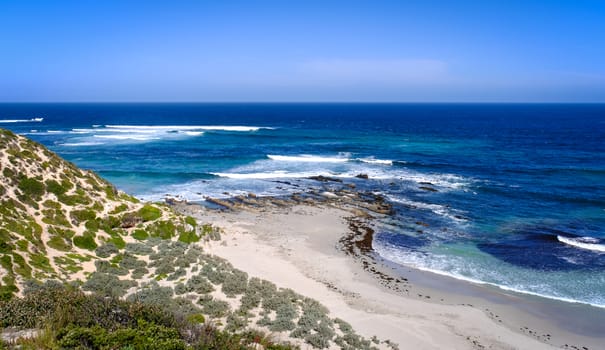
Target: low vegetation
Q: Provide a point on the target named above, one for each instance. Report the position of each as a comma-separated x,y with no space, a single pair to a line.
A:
69,319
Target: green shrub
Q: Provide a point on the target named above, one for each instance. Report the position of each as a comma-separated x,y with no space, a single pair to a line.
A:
120,208
139,234
164,229
191,221
59,243
145,336
82,215
32,187
53,186
149,213
86,241
118,241
189,237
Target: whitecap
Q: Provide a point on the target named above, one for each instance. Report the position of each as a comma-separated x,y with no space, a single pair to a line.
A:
193,133
588,243
307,158
80,144
152,128
372,160
127,137
268,175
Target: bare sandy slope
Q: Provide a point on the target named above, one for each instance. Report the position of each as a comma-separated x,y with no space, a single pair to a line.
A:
296,248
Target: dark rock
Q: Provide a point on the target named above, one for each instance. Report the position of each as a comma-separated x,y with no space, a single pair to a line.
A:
322,178
362,176
430,189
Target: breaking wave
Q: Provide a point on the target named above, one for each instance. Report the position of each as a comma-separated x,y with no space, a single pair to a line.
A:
588,243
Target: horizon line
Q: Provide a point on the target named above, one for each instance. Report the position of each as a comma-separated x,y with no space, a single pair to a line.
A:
303,102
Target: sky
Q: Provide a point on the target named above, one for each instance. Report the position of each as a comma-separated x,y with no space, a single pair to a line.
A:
302,51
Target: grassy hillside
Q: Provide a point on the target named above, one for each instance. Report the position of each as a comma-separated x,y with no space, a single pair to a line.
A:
53,216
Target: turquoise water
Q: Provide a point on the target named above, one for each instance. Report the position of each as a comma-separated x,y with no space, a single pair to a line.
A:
518,197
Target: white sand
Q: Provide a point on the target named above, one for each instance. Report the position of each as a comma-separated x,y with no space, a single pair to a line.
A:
296,248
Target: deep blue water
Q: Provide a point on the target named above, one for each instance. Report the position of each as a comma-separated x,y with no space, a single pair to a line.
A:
520,200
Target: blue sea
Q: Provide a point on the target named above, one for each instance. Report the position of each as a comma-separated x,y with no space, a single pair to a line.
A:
510,195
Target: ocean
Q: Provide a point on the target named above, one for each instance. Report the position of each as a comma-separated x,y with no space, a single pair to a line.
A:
510,195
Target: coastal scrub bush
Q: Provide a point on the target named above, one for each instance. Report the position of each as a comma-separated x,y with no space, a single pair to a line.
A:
82,215
130,262
177,274
55,217
117,241
138,249
111,267
85,241
139,273
152,293
59,243
235,322
106,250
92,225
191,221
41,262
120,208
53,186
140,234
189,237
212,307
31,187
199,284
145,336
149,213
107,284
236,283
164,229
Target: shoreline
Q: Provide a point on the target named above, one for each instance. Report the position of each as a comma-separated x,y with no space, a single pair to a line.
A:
366,287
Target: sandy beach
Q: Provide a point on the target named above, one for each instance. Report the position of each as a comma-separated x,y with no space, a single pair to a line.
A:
297,247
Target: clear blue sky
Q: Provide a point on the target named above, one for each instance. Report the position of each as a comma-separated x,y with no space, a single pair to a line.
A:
408,51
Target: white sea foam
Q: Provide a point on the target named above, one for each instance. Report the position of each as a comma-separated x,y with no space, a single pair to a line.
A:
187,127
372,160
307,158
588,243
193,133
127,137
80,144
438,209
278,174
341,158
32,120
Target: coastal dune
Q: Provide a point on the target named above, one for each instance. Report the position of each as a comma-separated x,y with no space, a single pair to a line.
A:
296,247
